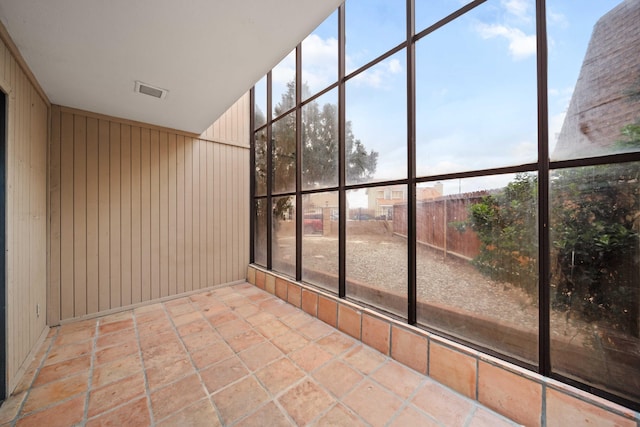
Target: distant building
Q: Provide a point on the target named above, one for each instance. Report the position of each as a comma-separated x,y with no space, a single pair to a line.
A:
381,200
603,100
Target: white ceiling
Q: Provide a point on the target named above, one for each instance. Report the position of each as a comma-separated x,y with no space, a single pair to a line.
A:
87,54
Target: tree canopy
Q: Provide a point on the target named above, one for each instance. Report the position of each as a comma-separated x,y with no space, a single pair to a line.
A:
320,146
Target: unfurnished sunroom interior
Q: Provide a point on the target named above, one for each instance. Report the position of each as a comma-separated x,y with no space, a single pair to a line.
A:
450,186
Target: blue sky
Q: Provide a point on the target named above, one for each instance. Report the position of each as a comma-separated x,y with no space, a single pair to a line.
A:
476,80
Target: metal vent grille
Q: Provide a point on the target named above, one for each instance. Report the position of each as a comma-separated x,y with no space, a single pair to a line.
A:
147,89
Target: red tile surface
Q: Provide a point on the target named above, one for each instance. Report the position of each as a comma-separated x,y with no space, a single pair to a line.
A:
510,394
409,348
376,333
442,404
349,321
305,402
373,403
453,369
328,311
310,302
238,355
62,415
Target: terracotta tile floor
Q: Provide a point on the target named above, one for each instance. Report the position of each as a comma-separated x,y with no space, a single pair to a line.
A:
232,356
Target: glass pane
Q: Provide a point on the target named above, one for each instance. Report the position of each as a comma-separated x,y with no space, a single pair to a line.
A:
260,237
376,250
283,249
373,27
428,12
283,83
320,240
320,57
320,142
595,284
376,128
284,154
594,85
260,95
476,100
261,163
477,269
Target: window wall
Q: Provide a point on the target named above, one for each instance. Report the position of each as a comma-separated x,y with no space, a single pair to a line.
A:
470,167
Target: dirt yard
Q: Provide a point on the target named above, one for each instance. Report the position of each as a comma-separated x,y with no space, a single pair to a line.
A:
377,257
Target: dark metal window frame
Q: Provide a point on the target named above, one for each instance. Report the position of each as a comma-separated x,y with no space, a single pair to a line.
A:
543,167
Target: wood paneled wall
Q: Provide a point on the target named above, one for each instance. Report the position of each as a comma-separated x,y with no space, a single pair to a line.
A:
140,213
26,209
233,127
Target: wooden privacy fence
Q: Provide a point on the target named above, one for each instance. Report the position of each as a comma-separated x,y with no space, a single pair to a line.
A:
439,224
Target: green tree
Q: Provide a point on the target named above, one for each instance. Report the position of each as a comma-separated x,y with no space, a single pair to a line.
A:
505,223
594,219
320,146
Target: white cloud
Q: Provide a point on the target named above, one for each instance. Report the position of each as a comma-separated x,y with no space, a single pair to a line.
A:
524,151
285,71
557,19
518,8
378,75
394,66
521,45
319,61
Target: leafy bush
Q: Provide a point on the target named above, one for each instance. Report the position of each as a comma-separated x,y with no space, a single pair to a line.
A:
595,243
505,223
595,216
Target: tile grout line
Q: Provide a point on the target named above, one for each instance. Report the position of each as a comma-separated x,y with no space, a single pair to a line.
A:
252,373
470,415
274,397
144,370
390,356
309,375
94,344
35,375
193,364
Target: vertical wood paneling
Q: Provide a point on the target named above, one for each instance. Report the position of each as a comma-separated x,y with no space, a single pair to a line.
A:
172,210
38,209
237,207
188,214
136,217
27,247
164,215
233,126
218,227
204,225
80,215
114,215
125,215
54,212
212,268
12,219
195,206
145,213
66,230
16,296
25,213
104,255
93,230
155,214
179,202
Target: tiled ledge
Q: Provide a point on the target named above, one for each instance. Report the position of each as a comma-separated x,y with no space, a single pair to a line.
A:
514,392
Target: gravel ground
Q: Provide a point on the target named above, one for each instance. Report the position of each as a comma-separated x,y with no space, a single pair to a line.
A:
379,259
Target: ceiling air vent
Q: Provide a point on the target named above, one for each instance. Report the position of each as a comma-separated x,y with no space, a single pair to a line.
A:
146,89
